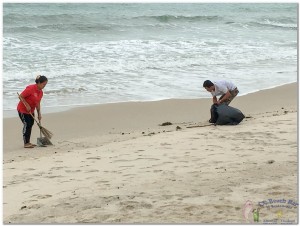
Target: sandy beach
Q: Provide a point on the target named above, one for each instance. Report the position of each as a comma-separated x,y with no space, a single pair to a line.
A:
115,163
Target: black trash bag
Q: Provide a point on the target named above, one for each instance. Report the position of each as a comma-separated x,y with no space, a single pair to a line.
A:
225,115
213,113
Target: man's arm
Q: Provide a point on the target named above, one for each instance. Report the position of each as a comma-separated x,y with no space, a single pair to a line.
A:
224,98
215,100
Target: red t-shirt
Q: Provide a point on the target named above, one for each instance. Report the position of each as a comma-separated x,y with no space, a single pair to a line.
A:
32,96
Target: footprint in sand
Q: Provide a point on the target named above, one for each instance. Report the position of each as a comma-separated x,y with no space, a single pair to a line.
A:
72,171
51,177
34,206
29,169
92,171
138,151
56,168
41,196
93,158
130,205
30,190
164,144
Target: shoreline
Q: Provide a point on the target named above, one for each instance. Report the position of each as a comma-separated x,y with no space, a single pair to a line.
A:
12,113
109,118
115,163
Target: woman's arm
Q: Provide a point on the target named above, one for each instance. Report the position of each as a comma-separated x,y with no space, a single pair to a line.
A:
25,103
38,109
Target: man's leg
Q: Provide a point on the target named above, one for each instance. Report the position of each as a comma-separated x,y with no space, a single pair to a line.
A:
233,93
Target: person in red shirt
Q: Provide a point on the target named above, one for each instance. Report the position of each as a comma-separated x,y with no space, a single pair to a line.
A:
30,100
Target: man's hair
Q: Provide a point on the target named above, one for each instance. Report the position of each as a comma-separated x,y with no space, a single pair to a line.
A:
207,84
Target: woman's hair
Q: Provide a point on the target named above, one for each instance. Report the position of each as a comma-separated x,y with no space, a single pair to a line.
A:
207,84
40,79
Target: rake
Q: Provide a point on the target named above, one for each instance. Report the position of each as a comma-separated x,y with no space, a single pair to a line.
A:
43,141
199,126
48,134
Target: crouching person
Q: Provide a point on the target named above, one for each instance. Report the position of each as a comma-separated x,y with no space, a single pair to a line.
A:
225,89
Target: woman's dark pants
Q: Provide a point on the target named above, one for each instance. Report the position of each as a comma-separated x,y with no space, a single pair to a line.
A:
28,122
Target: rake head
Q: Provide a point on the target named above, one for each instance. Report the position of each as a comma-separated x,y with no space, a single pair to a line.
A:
46,132
43,142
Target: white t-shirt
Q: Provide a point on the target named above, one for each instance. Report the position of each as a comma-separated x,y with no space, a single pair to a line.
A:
221,87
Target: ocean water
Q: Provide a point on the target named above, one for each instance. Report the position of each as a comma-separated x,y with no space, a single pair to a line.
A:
101,53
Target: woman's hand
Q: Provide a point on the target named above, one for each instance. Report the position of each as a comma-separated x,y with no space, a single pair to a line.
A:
28,108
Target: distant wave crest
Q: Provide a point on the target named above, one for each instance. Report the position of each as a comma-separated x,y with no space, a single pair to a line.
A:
16,17
65,91
275,24
172,18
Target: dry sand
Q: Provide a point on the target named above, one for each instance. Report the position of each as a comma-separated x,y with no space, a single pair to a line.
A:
113,163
